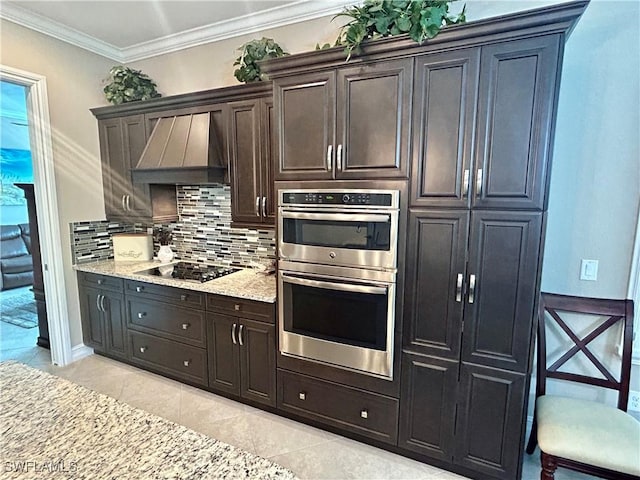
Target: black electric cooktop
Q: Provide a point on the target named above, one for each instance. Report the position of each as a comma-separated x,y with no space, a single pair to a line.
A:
194,272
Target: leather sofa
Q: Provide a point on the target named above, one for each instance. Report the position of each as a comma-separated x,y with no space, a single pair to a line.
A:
16,263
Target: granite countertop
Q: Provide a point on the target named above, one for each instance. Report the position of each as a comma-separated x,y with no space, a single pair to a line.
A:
247,283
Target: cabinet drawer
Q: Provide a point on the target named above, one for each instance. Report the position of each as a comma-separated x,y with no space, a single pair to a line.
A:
357,411
178,296
241,307
176,359
102,281
172,322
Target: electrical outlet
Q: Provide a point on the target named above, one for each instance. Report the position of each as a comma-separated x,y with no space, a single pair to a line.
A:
634,400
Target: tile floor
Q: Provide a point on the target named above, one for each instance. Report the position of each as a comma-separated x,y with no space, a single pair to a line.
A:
309,452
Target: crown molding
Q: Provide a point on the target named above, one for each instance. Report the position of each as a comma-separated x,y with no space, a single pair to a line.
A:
57,30
299,11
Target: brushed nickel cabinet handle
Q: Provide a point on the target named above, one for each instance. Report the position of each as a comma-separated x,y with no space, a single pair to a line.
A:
98,302
339,158
142,314
185,326
302,396
186,363
233,333
143,349
124,207
459,288
256,209
364,413
264,207
139,289
472,288
102,303
240,335
128,203
479,182
465,183
329,157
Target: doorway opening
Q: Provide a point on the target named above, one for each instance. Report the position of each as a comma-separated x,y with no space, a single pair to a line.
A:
44,201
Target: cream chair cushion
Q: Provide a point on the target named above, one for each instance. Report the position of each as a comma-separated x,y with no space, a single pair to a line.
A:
589,432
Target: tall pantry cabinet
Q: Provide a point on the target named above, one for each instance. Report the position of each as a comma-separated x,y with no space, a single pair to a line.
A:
483,124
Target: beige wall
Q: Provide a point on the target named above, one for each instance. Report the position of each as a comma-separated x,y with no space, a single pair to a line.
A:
74,85
211,66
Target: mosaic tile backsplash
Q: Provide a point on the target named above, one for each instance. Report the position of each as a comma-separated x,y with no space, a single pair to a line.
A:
203,234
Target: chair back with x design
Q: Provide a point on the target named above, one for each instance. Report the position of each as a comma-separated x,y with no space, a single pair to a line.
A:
552,306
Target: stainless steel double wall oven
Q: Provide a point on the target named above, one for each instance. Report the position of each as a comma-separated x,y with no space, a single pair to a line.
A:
337,277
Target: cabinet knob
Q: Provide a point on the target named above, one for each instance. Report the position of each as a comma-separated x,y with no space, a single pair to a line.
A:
142,314
100,282
183,297
143,349
364,413
185,326
302,396
139,289
186,363
236,306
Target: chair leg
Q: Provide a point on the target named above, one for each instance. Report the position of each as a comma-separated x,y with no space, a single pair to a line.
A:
549,466
533,436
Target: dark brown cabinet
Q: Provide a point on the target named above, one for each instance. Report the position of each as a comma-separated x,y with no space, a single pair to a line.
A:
472,278
167,330
122,141
503,96
102,310
251,161
242,353
349,123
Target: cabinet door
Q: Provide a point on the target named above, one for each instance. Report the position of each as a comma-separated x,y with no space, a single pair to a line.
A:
135,139
445,98
373,117
305,115
436,258
115,181
518,89
114,324
244,142
258,361
504,248
427,406
269,159
92,322
224,368
489,436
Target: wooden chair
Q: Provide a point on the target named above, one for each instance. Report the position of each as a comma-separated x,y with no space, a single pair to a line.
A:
582,435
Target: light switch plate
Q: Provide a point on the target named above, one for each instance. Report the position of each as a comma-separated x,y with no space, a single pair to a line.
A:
589,270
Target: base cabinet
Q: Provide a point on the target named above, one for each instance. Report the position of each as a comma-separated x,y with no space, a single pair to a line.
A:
464,414
242,357
103,315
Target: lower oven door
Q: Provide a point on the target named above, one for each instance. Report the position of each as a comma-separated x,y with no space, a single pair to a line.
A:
340,321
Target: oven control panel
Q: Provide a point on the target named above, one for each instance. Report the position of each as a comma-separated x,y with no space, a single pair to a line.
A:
337,198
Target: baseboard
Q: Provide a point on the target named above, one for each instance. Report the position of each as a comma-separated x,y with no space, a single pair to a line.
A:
80,351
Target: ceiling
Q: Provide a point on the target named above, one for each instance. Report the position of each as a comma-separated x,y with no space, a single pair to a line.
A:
132,30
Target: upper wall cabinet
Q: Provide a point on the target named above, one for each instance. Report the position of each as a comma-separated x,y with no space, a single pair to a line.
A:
346,123
122,141
502,95
251,162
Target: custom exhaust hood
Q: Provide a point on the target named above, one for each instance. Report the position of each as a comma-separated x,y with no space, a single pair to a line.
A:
182,149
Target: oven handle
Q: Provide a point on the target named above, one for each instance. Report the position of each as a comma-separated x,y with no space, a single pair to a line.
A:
341,217
335,286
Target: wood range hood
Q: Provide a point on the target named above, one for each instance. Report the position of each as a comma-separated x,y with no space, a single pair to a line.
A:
182,149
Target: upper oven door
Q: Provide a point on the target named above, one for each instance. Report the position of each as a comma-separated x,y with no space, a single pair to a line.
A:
339,237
